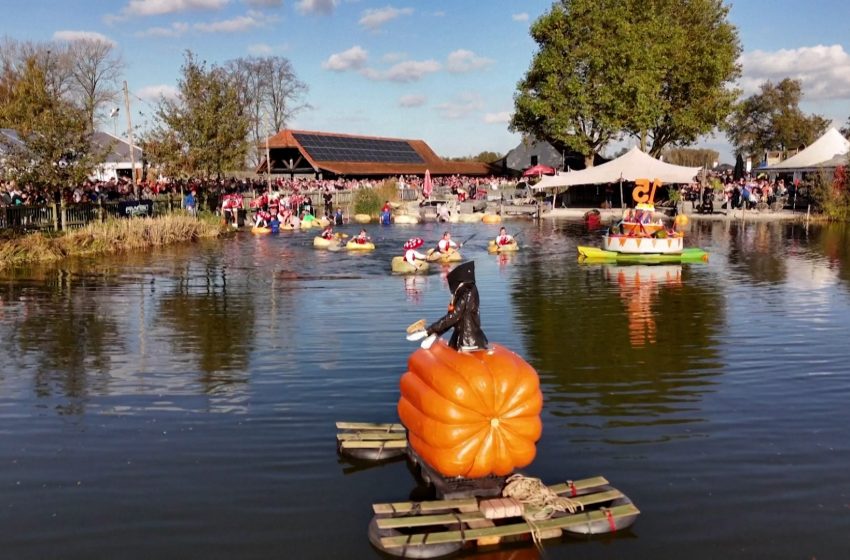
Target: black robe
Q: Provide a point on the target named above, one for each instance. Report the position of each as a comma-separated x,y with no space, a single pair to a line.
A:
465,319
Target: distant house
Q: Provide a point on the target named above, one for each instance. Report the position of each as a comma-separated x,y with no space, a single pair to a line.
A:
531,152
116,150
118,163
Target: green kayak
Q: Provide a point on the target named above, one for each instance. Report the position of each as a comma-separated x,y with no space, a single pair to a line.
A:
599,255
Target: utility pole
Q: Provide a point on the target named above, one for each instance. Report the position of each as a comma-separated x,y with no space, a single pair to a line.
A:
268,165
130,140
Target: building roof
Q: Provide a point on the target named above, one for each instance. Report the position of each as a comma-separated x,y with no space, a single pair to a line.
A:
117,149
351,154
10,137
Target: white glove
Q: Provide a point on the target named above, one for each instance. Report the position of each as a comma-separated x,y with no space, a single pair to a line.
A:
418,335
426,344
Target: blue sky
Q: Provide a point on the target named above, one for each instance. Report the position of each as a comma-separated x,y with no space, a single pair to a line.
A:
442,71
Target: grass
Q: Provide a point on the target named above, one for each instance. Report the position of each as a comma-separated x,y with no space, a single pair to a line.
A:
112,236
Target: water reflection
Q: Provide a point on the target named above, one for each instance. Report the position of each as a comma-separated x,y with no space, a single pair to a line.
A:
654,355
639,286
63,328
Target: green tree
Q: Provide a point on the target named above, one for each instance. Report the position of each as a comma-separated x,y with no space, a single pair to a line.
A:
772,120
649,68
699,65
203,132
483,157
57,150
691,157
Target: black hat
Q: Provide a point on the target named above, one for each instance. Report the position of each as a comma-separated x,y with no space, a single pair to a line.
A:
462,274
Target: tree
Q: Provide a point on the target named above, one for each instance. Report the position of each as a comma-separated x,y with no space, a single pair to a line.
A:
691,157
270,92
772,120
699,61
202,132
608,67
483,157
57,150
845,130
95,71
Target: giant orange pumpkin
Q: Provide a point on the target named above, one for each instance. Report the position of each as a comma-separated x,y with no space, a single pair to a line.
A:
471,414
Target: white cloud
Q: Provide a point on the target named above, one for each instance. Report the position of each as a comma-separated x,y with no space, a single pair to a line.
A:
412,100
522,16
394,57
264,3
411,70
824,70
373,19
155,93
501,117
175,30
264,49
461,106
462,61
68,35
162,7
233,25
351,59
321,7
439,14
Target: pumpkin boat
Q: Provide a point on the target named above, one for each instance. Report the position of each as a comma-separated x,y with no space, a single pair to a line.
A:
471,414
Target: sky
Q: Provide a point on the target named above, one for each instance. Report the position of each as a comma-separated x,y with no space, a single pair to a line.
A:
443,71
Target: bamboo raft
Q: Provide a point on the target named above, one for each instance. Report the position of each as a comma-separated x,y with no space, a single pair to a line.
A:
436,528
371,442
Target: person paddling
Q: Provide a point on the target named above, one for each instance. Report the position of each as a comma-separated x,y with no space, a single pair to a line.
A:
328,233
445,245
504,238
463,314
362,237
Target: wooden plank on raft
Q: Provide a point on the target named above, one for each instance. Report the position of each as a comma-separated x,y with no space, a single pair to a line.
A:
407,507
583,484
377,436
433,505
445,519
375,444
509,530
369,426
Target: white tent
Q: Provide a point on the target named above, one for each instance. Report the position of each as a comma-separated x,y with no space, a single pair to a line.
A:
817,154
631,166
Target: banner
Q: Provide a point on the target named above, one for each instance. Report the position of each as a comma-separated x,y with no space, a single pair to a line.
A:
135,208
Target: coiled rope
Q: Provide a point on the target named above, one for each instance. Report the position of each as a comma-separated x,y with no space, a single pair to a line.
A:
539,502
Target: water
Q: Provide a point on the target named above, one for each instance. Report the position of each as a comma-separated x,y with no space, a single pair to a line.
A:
181,403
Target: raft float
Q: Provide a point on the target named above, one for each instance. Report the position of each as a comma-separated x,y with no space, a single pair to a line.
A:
401,266
511,247
355,246
686,255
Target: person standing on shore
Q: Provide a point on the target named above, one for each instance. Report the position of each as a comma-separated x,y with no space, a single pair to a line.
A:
190,203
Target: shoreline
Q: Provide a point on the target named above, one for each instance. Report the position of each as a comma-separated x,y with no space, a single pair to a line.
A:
103,238
739,215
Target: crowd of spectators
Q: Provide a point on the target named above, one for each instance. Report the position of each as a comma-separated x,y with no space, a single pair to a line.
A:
212,190
750,192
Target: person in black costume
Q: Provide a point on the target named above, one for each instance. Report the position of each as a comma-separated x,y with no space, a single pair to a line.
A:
463,314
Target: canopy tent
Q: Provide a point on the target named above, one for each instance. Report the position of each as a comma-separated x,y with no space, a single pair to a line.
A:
818,154
631,166
538,170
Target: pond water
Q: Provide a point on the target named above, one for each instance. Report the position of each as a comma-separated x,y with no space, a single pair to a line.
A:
181,403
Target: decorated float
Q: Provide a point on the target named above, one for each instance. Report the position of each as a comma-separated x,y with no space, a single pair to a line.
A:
639,237
470,417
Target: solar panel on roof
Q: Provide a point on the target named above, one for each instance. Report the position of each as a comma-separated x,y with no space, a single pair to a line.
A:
343,148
